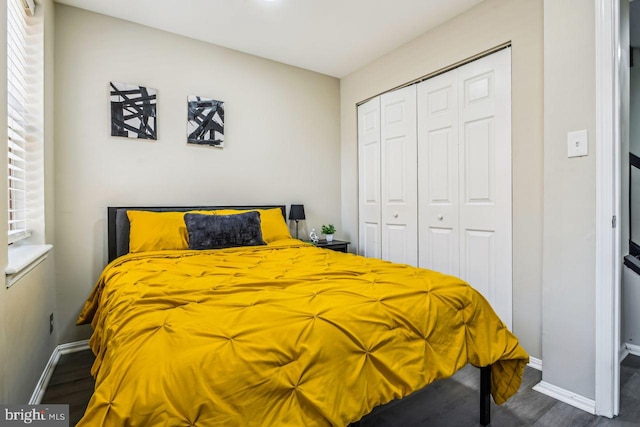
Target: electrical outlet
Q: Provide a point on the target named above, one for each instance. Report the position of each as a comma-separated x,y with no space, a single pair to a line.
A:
51,323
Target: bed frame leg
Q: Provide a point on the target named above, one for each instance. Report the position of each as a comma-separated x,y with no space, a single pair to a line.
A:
485,395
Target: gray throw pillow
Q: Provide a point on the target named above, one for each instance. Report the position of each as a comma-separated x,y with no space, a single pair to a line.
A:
223,231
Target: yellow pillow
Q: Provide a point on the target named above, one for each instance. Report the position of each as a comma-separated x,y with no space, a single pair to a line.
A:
272,223
157,231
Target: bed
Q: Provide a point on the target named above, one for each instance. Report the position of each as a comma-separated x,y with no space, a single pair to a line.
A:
273,332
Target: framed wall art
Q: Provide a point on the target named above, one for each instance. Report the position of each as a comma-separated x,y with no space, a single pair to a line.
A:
205,121
133,111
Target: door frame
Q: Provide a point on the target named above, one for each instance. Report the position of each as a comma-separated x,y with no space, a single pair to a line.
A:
608,208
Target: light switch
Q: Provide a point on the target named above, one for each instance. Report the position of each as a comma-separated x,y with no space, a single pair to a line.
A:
577,143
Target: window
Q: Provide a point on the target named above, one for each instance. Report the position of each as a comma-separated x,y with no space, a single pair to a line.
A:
25,139
21,116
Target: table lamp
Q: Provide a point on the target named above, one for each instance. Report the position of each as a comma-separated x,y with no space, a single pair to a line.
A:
296,213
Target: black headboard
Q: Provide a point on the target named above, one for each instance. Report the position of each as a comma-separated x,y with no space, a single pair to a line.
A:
118,222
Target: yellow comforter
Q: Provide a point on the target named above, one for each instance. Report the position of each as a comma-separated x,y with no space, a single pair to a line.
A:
280,335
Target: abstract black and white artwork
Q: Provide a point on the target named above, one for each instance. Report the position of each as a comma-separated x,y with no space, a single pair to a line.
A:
205,121
133,111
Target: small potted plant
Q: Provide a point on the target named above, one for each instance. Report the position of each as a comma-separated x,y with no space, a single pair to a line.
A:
328,231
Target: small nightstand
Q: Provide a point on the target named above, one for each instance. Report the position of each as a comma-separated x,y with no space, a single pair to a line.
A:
336,245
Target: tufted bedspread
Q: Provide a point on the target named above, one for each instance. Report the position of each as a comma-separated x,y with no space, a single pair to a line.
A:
280,335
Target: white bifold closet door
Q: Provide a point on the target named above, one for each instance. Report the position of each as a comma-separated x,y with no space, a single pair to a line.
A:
387,156
369,241
435,176
464,183
399,209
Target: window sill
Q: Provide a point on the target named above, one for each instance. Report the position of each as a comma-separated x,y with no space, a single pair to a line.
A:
23,259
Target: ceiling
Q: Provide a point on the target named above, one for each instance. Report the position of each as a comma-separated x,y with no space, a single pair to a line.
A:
333,37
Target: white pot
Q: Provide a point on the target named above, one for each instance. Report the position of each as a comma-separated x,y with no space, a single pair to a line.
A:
329,238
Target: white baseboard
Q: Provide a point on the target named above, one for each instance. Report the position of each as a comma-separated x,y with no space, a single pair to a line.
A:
573,399
624,352
67,348
535,363
632,349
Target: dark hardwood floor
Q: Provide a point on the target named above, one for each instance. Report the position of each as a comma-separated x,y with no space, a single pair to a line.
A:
451,402
72,383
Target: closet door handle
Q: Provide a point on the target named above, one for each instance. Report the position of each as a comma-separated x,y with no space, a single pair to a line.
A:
440,217
395,215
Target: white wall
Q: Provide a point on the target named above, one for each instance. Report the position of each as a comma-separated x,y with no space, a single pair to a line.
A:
25,342
489,24
568,338
281,138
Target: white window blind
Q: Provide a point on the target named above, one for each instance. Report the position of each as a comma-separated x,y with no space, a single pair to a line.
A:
18,119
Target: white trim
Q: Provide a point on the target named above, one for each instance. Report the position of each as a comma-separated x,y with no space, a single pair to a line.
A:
41,386
535,363
566,396
632,349
607,149
23,259
624,352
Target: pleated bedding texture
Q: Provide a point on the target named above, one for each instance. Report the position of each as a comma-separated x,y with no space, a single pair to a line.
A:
280,335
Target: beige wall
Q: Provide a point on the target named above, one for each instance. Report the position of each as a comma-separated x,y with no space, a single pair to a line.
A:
489,24
568,338
25,342
282,138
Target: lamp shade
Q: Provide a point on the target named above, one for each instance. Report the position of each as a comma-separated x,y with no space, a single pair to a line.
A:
297,212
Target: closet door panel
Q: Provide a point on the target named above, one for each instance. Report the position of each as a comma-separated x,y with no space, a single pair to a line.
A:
399,176
369,171
438,173
484,99
479,168
480,266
